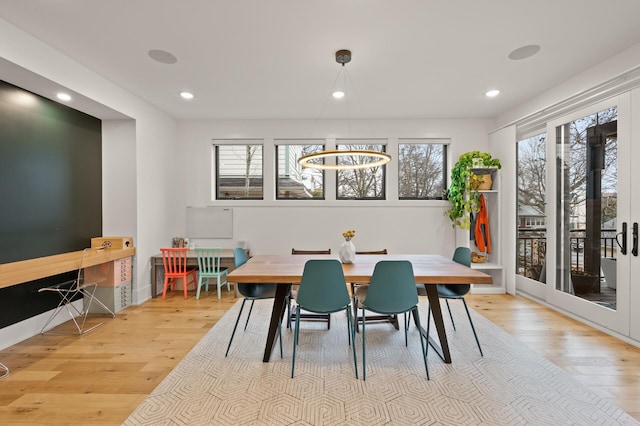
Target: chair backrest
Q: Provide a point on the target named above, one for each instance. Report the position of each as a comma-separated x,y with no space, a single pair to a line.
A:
323,288
461,255
392,288
240,256
208,259
174,260
95,267
383,251
296,251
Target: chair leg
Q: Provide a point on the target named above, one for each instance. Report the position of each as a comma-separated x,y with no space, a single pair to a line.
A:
295,341
364,345
450,316
166,284
280,337
218,285
199,286
352,338
249,316
422,342
233,333
472,327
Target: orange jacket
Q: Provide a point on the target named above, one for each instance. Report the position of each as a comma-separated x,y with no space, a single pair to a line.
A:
481,230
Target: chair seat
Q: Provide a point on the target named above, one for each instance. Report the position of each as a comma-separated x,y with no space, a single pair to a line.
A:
452,291
257,291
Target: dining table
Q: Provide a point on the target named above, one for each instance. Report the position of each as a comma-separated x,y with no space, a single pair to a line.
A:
286,270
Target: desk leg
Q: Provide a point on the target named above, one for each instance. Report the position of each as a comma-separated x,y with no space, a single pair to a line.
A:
277,314
441,349
155,264
154,277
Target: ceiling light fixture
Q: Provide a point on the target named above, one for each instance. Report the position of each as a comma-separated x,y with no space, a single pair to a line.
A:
63,96
186,95
492,93
366,158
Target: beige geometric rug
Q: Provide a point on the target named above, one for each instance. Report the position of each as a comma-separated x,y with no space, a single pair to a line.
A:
510,385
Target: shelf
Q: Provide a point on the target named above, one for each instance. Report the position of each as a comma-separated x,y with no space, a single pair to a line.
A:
486,265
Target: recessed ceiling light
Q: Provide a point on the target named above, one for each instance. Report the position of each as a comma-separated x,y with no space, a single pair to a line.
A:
186,95
162,56
63,96
524,52
338,94
492,93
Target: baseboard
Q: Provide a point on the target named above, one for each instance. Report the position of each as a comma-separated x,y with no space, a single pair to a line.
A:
30,327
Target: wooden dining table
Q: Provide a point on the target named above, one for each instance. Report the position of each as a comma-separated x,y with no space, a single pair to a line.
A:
286,270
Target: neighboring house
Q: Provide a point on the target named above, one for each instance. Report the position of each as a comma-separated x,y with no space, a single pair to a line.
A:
530,217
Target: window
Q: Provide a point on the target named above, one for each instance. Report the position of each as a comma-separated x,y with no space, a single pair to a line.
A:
360,184
532,234
421,170
239,172
295,182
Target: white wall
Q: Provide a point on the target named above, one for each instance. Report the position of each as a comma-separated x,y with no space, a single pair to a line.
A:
271,226
142,189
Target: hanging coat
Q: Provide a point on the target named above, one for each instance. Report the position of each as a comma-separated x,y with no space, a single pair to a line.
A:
481,228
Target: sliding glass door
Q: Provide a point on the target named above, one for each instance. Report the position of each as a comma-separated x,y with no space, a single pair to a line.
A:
588,198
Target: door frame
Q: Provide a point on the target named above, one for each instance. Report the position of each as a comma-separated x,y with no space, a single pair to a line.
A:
616,320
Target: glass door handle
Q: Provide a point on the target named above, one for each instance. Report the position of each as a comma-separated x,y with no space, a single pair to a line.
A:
634,250
623,246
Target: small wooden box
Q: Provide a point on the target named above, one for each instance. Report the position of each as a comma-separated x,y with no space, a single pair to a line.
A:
113,242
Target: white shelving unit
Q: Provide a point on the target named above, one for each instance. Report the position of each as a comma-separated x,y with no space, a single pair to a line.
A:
493,266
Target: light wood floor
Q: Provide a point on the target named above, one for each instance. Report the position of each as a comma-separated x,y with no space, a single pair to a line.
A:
100,378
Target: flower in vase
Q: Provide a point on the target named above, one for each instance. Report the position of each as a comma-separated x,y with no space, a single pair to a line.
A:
349,234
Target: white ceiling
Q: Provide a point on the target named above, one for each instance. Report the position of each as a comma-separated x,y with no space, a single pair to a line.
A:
274,59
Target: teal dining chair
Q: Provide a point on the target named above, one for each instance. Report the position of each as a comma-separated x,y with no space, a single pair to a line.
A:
323,290
253,292
392,290
461,255
209,267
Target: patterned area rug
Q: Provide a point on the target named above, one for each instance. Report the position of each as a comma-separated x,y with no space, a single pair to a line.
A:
510,385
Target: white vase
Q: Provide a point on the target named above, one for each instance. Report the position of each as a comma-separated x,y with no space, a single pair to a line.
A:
347,252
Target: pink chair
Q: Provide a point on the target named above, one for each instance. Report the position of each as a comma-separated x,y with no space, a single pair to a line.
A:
175,266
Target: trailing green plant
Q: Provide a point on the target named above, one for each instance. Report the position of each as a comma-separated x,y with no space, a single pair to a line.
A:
462,192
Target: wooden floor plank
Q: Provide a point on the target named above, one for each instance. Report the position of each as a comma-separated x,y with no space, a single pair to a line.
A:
110,371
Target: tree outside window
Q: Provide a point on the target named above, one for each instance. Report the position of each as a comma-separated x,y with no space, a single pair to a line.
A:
360,184
421,171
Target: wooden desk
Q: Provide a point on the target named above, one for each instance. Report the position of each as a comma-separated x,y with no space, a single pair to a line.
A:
157,268
33,269
427,269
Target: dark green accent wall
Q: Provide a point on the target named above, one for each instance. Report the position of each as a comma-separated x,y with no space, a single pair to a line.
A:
50,188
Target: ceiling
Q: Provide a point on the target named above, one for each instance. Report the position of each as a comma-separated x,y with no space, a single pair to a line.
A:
275,59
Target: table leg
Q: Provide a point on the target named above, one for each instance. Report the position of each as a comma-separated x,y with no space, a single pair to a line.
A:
277,314
441,349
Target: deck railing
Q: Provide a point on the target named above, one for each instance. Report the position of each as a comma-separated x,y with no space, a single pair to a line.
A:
532,249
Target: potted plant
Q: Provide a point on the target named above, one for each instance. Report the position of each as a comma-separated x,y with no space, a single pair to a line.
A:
463,189
584,282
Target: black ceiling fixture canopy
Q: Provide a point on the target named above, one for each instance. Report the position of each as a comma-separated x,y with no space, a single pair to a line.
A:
343,56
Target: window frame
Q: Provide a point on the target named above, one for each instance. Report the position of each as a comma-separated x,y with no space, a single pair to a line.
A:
302,143
217,145
445,171
355,142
